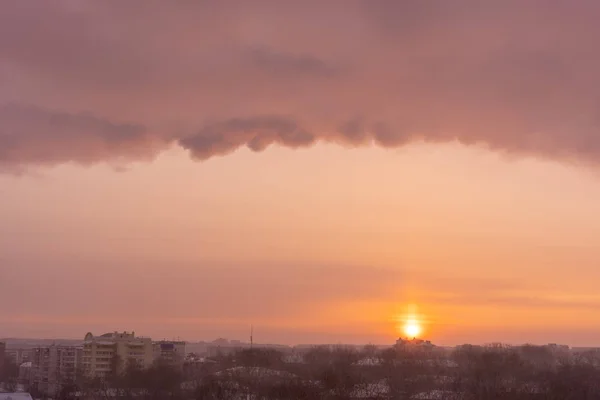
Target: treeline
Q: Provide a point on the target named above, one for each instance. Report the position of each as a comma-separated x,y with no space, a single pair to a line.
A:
466,373
159,381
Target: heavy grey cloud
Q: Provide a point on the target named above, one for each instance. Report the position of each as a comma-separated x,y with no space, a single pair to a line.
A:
32,135
512,76
257,133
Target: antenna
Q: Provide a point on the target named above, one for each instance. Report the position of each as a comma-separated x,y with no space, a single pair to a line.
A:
251,334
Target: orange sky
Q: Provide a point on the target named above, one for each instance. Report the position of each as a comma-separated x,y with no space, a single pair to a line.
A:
313,168
326,244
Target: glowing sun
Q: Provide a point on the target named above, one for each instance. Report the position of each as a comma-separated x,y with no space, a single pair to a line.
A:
412,329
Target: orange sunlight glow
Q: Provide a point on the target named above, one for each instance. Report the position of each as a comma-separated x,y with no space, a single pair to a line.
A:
412,328
410,322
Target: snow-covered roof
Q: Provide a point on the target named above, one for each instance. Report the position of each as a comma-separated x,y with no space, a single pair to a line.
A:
434,395
369,361
255,371
15,396
294,359
370,390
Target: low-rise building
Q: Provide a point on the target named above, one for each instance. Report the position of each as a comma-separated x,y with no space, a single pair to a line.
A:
111,353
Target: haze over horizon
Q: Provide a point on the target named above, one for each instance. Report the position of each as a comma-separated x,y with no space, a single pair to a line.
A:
322,170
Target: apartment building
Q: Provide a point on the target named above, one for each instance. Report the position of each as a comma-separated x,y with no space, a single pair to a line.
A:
170,352
53,366
111,353
19,355
2,354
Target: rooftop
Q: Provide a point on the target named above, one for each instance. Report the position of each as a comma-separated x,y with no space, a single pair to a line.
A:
15,396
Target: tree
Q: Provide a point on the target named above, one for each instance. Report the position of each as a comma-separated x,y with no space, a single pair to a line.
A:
268,358
492,372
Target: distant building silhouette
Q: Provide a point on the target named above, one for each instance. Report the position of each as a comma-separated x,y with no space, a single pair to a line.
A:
223,347
414,345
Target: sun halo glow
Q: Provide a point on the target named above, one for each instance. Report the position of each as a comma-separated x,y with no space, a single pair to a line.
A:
412,329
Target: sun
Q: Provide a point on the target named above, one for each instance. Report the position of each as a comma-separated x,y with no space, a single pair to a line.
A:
412,329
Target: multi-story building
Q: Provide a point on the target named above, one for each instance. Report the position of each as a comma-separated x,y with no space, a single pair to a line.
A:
2,355
25,373
170,352
111,353
53,366
20,355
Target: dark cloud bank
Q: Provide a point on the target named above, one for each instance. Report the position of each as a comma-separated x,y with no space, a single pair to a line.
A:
88,82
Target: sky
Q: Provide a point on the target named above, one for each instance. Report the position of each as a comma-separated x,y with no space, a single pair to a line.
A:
322,171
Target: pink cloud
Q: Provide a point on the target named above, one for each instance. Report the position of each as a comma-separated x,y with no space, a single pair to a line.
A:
517,77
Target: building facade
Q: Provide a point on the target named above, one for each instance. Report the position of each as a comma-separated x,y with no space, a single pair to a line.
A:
54,366
170,352
25,373
2,355
20,355
111,353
